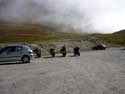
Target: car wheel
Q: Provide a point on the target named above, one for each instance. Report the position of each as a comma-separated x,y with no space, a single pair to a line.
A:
25,59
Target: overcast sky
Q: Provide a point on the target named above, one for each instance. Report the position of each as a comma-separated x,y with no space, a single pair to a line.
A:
104,16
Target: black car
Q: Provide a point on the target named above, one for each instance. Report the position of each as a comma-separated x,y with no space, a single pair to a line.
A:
99,47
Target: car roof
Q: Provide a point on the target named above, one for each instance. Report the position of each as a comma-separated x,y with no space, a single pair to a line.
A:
17,46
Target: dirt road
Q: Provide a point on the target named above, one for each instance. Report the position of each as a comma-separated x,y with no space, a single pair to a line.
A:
94,72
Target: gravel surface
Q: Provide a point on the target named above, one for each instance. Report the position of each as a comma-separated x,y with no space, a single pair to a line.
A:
94,72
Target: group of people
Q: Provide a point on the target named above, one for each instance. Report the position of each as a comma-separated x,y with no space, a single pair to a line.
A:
63,51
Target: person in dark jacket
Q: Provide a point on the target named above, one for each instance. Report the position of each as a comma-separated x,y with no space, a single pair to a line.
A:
52,52
63,51
76,51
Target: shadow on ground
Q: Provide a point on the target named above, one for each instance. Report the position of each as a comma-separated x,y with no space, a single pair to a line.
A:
59,56
12,63
46,57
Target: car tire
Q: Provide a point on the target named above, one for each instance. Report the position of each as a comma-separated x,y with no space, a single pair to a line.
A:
25,59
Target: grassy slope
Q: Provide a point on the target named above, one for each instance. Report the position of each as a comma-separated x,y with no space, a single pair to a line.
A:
15,33
23,32
115,38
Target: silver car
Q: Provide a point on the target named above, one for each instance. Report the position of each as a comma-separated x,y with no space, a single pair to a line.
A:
16,53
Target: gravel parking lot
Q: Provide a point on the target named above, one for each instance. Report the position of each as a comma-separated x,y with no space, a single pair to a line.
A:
94,72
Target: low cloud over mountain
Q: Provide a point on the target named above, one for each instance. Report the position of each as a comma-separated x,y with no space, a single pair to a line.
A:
79,15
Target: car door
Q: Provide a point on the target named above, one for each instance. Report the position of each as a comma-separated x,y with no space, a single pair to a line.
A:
18,52
14,53
4,57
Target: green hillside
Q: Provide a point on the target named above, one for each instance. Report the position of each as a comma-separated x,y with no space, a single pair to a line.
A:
115,38
28,33
24,32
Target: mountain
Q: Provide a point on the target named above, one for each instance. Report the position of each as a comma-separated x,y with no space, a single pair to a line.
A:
22,32
27,32
120,32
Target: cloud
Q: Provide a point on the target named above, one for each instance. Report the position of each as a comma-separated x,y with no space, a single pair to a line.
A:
84,15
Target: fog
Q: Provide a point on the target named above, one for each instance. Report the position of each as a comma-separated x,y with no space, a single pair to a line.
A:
105,16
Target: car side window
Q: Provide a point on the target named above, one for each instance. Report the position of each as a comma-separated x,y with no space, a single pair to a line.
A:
2,50
19,49
12,49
